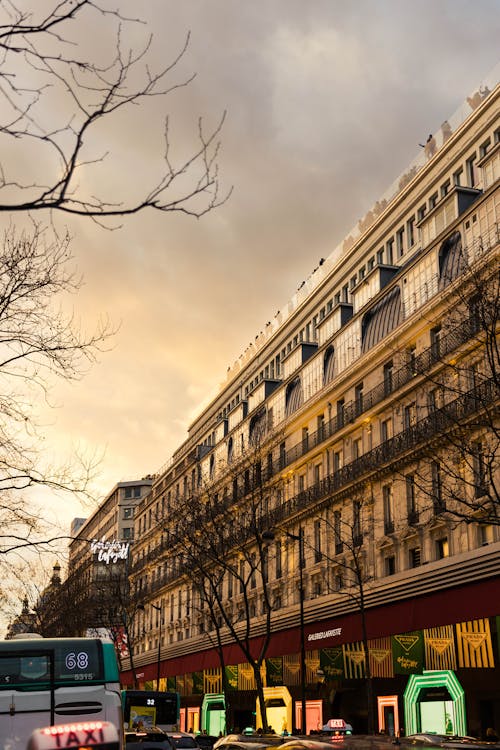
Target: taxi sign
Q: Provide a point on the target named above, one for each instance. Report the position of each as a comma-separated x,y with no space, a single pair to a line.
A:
335,724
78,735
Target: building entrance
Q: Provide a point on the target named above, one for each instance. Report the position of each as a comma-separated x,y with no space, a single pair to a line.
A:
435,702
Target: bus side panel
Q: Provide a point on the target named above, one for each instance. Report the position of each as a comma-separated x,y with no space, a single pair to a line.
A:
21,714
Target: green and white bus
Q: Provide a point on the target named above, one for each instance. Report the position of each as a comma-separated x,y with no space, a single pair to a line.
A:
53,681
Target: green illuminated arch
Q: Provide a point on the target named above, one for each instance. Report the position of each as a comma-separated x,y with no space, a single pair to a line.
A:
427,679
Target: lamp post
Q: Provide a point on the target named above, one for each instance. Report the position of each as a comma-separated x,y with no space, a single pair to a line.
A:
269,536
300,539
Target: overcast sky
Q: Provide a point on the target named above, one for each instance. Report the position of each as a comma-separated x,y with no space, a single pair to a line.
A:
327,101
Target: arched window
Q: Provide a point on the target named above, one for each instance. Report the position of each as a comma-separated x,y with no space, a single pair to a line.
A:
329,365
451,259
257,428
293,397
230,449
383,317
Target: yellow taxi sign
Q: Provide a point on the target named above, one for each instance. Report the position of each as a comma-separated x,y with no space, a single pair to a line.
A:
78,735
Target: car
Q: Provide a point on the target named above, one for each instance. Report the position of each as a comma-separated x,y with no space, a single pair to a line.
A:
307,744
182,740
335,727
206,741
151,738
429,739
251,741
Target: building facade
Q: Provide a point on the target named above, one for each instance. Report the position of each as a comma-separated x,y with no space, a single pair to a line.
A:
95,591
339,497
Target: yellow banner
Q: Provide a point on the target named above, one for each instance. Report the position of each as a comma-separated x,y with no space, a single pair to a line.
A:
474,644
440,648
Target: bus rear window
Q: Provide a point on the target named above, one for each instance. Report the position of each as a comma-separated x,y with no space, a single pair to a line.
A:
73,662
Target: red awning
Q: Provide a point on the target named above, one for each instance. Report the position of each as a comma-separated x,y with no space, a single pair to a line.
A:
445,607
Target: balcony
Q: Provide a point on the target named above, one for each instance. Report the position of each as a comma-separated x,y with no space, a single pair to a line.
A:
380,458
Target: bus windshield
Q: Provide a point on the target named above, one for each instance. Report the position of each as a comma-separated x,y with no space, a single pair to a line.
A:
148,708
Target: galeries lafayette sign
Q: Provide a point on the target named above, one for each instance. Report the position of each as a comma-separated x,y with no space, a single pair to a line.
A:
324,634
111,551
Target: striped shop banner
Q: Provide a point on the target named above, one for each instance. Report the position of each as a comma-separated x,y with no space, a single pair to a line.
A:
354,660
246,679
380,655
212,680
474,644
291,669
312,666
440,648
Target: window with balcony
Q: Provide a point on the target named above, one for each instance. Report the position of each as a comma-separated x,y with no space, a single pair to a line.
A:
318,555
337,531
435,399
357,534
386,430
278,559
338,460
358,398
435,336
410,415
282,458
388,504
242,576
340,413
479,470
357,449
305,439
388,373
438,502
411,499
321,427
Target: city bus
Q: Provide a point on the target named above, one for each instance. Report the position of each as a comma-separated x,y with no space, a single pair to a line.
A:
53,681
148,708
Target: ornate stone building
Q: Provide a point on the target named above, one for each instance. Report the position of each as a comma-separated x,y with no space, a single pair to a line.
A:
361,429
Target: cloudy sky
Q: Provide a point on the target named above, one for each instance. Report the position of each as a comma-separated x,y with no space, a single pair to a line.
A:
326,101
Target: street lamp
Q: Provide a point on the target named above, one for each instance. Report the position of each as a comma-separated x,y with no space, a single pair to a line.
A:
269,536
158,663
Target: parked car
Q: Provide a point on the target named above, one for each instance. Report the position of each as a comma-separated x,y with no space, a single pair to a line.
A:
253,741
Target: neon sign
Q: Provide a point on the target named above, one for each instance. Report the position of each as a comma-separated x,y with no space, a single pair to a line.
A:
111,551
